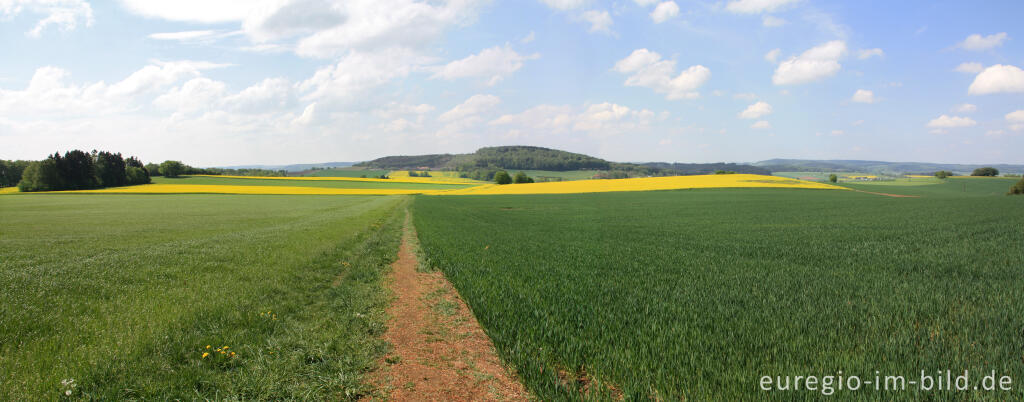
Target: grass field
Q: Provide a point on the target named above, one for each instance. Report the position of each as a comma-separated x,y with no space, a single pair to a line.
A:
698,294
230,181
346,172
122,294
643,184
566,175
955,187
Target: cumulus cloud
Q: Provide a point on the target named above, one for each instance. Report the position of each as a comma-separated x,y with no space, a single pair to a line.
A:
603,119
756,111
1016,120
865,54
976,42
998,79
965,108
191,36
600,21
646,3
564,5
647,69
812,65
945,121
772,21
761,125
358,72
664,12
864,96
757,6
472,108
773,56
493,64
969,68
65,15
322,28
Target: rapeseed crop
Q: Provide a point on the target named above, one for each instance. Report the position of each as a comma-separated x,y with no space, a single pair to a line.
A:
643,184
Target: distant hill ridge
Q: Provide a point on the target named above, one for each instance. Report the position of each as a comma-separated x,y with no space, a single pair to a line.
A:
895,168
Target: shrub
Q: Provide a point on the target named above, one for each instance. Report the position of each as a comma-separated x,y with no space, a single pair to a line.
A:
985,171
1018,189
502,177
833,178
172,168
942,174
521,177
136,175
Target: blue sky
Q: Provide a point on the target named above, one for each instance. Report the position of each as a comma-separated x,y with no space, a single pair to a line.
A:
218,82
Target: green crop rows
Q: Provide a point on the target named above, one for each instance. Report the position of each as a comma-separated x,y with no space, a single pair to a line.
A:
122,293
697,294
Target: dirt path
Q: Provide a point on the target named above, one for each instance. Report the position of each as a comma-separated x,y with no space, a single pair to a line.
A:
440,352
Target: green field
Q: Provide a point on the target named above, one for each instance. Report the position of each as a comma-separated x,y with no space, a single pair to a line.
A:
228,181
347,172
955,187
122,293
567,175
698,294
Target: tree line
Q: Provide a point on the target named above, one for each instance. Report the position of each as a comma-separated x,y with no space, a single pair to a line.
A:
80,170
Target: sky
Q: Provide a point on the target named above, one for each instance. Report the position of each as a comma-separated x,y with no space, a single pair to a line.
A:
225,82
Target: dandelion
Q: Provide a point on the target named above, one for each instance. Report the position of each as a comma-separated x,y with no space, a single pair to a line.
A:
207,346
206,354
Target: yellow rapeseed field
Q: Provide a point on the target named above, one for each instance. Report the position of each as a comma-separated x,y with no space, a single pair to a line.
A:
643,184
227,189
8,190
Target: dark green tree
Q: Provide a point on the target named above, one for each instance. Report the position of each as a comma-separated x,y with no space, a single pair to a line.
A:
502,177
41,176
172,168
153,169
833,178
77,170
942,174
110,169
521,177
985,171
1018,189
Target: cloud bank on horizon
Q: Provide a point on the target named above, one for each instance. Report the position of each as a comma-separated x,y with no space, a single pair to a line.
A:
222,82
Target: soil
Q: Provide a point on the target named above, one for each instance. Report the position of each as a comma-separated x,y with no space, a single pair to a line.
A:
440,352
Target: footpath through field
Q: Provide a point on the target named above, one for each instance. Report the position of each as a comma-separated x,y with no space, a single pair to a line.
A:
440,352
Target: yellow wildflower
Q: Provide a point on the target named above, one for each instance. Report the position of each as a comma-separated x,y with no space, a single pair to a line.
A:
206,354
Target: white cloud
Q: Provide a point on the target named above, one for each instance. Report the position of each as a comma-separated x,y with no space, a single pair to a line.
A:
307,115
773,56
757,6
1015,117
198,94
836,133
600,21
603,119
646,3
864,96
965,108
756,111
664,12
63,14
976,42
772,21
745,96
969,68
471,108
564,4
865,54
358,72
814,64
761,125
998,79
322,28
493,64
945,121
186,36
647,69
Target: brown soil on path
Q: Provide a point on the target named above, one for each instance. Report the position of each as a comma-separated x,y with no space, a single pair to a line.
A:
440,352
